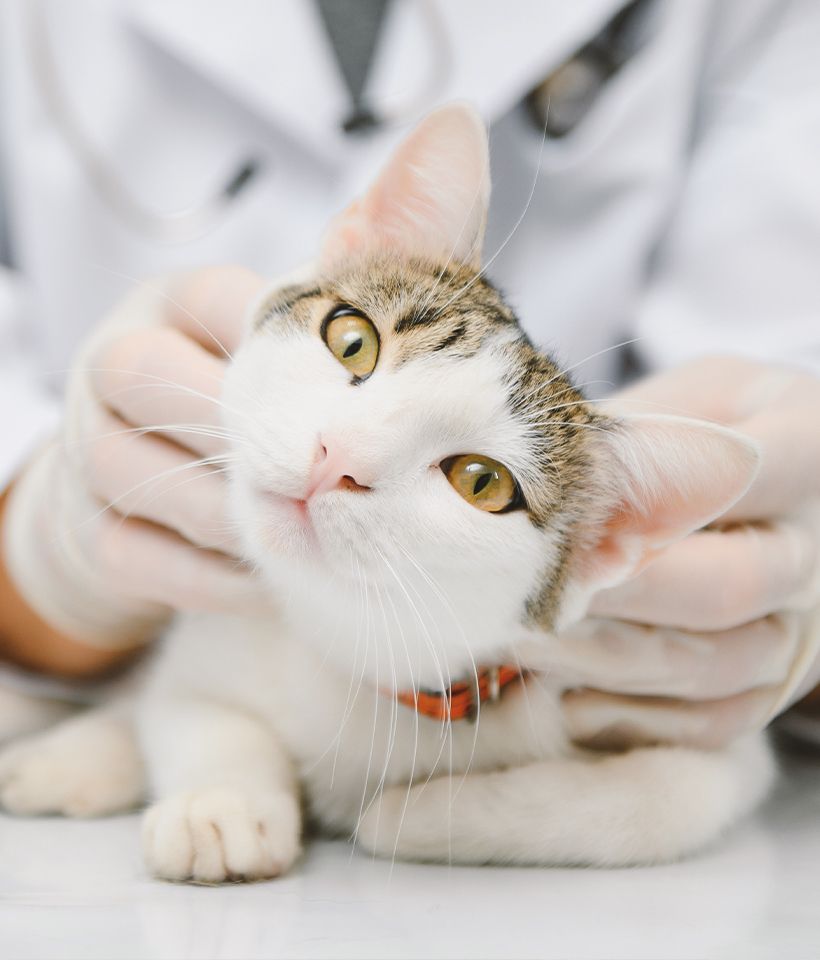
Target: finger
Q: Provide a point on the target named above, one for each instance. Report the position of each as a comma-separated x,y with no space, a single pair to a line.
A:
776,406
712,388
788,435
716,580
804,673
143,476
149,563
629,658
158,378
210,306
609,722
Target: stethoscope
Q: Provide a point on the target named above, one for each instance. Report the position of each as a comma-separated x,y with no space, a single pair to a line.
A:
191,223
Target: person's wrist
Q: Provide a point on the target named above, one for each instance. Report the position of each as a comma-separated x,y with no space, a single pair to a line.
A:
52,577
29,641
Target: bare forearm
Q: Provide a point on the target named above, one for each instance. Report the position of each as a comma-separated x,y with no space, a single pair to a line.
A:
30,642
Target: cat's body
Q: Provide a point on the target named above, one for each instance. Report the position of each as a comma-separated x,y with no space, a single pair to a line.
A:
426,495
507,789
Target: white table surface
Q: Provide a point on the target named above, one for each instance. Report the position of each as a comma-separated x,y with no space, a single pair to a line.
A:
77,890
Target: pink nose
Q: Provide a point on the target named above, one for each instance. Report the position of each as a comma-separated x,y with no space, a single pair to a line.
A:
332,470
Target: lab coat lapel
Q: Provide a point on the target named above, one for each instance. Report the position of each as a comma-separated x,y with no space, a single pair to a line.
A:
497,52
278,60
272,56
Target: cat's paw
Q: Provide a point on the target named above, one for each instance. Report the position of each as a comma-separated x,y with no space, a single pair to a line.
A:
400,824
86,767
219,834
22,714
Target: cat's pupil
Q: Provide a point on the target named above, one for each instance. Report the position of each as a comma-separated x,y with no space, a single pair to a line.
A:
481,483
354,348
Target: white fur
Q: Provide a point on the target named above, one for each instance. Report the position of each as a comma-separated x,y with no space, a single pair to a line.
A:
509,789
405,585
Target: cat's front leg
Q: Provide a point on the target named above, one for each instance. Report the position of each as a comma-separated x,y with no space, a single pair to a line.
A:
227,803
643,807
86,766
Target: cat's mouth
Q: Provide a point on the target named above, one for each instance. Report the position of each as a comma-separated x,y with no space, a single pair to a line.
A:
285,508
301,526
321,530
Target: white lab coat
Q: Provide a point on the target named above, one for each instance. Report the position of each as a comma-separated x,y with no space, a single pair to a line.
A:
684,210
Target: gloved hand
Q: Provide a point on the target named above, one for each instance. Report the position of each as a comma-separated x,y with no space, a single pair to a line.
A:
722,631
119,521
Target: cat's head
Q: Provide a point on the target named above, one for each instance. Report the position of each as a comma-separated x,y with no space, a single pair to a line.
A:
413,476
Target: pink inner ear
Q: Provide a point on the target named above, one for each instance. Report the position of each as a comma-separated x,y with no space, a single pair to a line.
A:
430,201
669,476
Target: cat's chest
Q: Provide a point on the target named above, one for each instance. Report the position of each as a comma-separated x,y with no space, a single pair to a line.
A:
375,742
347,736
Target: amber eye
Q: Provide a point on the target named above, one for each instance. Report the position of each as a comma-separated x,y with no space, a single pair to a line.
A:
483,482
353,340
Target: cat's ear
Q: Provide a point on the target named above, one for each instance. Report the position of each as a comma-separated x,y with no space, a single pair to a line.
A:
662,477
430,200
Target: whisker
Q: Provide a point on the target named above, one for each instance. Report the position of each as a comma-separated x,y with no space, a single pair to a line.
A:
376,705
415,713
394,721
113,504
166,296
428,640
598,353
446,724
429,298
143,503
160,428
512,232
156,379
350,702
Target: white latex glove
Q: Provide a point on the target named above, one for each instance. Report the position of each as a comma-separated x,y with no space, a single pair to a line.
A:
119,521
722,631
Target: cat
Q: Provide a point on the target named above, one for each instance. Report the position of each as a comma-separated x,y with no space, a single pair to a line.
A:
429,499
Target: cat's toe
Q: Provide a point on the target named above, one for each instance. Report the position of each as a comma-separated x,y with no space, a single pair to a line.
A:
85,768
221,834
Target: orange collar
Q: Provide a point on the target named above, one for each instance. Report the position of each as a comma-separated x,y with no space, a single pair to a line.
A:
461,700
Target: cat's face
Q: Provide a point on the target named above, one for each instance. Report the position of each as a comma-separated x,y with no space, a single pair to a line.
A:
425,454
405,453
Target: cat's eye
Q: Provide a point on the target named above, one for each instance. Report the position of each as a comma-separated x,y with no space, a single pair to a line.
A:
483,482
353,340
